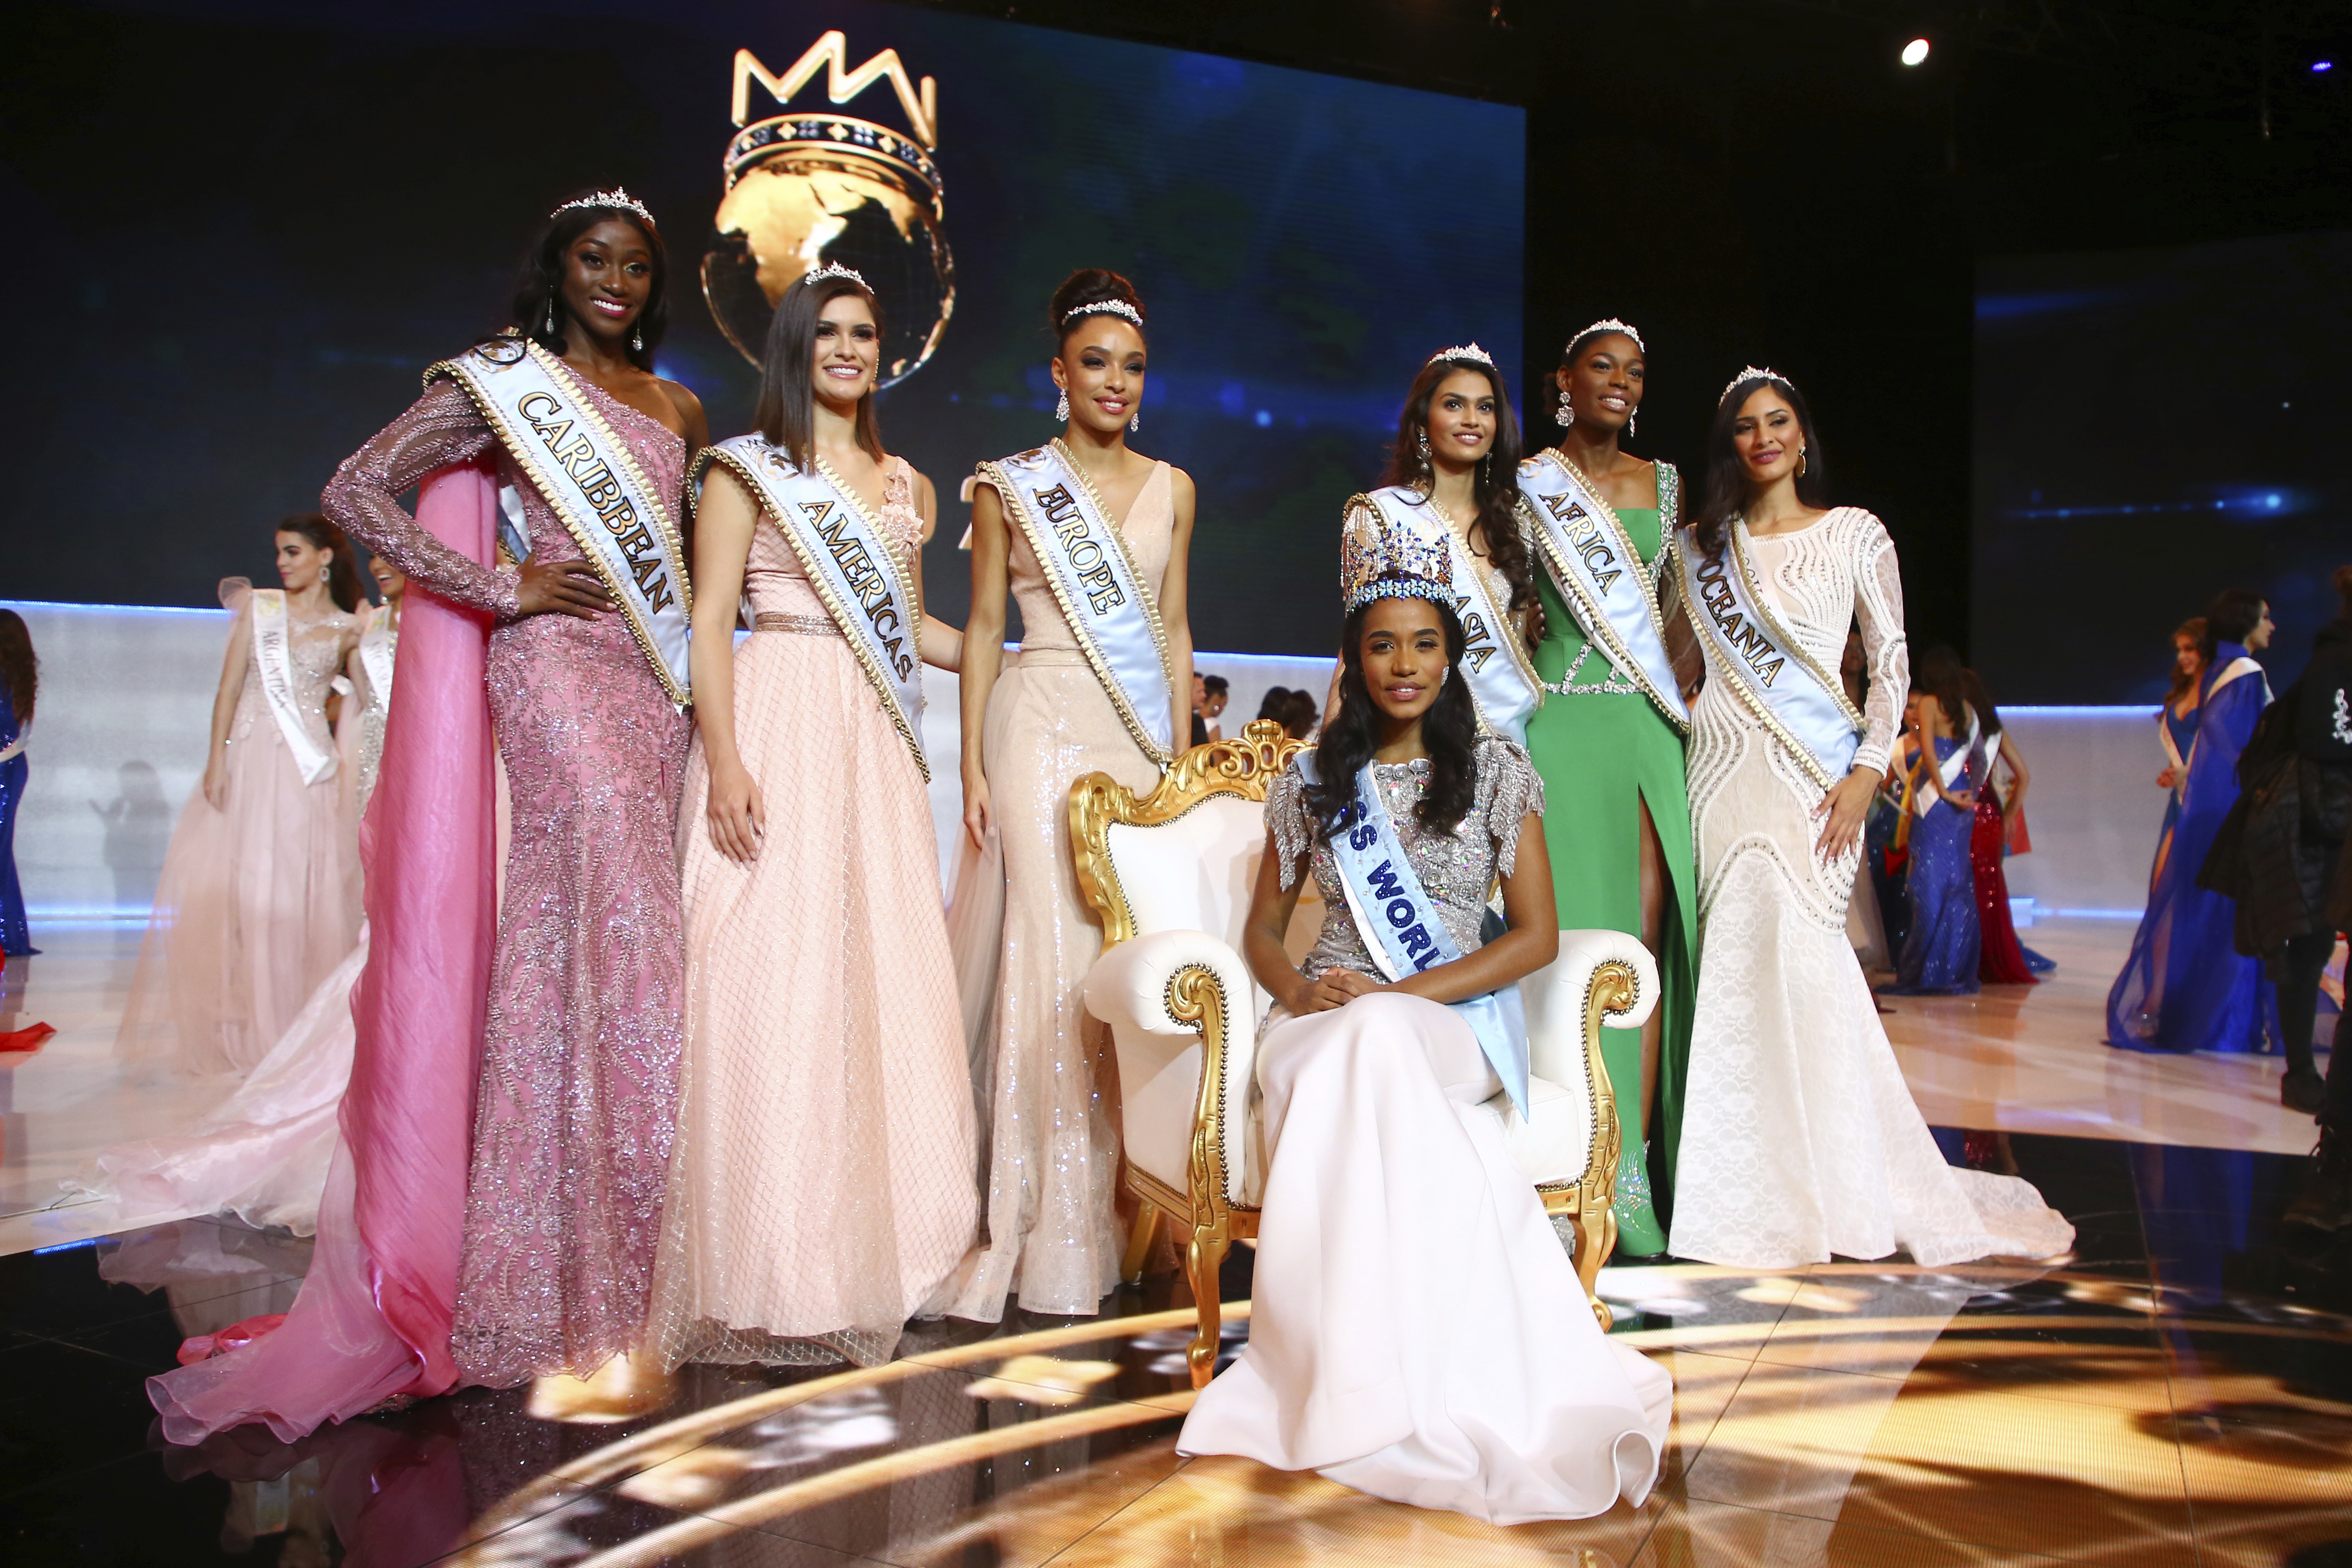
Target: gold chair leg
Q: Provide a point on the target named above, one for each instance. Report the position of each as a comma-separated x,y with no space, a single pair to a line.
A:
1203,1258
1596,1238
1138,1240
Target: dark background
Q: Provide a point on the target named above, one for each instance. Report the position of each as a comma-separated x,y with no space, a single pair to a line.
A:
1745,179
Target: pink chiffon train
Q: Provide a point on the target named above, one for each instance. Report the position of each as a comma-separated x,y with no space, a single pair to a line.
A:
374,1314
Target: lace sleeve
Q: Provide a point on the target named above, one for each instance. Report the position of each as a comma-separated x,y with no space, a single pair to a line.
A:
441,428
1878,605
1509,788
1286,817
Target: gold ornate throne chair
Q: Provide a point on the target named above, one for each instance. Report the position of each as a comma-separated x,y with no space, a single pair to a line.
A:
1169,876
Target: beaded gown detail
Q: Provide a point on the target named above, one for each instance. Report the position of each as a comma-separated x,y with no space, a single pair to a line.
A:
1417,1331
821,1184
259,899
1940,954
1800,1139
1051,1087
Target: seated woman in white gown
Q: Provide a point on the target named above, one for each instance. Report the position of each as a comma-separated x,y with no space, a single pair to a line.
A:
1800,1138
1417,1331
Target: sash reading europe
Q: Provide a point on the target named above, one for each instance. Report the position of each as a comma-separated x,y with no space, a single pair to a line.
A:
1600,574
1805,709
552,430
1109,610
1501,679
1401,928
273,645
849,562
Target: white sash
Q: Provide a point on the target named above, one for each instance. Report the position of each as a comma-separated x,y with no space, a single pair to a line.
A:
273,644
591,478
378,646
1807,711
851,565
1949,770
1110,611
1506,688
2171,749
1597,570
1401,929
2238,667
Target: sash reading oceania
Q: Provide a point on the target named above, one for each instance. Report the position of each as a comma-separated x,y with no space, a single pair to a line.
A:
1501,679
1401,927
1600,574
1110,611
273,645
376,656
592,479
1788,692
849,562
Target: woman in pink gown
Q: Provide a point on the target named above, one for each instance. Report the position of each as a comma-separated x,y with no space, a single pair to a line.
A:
824,1059
556,1045
259,895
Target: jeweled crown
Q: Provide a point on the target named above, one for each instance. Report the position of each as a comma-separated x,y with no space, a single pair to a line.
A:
1609,325
617,198
1106,308
835,269
1752,372
1466,353
1400,563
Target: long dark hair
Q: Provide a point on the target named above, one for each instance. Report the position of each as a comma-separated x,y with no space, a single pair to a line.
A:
1091,285
19,666
539,291
1979,697
1494,483
786,412
1450,730
1727,477
342,567
2232,618
1940,675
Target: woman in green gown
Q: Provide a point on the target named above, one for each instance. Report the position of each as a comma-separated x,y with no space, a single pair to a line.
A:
1610,735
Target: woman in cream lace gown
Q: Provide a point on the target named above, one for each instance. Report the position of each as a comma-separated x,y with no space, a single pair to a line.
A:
820,1181
1047,1070
1800,1138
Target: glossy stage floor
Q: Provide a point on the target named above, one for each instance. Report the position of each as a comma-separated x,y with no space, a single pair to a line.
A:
2178,1391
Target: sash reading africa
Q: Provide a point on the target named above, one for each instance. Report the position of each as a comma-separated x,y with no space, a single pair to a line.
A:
1807,710
273,646
849,562
1506,688
1598,573
1110,611
552,430
1401,928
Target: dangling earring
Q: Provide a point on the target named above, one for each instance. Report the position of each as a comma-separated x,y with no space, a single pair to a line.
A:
1801,462
1135,420
637,339
1443,675
326,575
1062,410
550,313
1420,443
1486,468
1629,421
1566,416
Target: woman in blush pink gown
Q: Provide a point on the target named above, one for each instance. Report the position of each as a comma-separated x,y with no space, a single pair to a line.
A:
260,896
556,1047
820,1189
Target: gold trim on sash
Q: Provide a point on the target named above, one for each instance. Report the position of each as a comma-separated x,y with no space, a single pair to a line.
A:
1780,634
1595,625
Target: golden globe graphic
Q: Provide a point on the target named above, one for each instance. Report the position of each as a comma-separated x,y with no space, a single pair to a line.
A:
804,189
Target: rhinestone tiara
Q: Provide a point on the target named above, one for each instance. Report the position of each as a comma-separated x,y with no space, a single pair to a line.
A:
1400,563
1470,352
1753,373
835,269
1610,325
617,198
1106,308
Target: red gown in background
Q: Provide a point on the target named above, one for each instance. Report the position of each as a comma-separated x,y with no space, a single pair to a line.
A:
2000,959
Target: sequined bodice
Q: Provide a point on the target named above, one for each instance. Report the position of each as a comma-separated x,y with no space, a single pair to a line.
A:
318,648
1149,530
1457,869
773,576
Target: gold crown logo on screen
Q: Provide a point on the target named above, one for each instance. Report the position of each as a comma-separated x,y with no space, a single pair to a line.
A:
805,188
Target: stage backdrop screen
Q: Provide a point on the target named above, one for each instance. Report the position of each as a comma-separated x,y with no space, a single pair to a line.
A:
245,229
2153,427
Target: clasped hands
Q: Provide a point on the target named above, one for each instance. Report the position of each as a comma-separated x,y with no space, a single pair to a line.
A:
1332,988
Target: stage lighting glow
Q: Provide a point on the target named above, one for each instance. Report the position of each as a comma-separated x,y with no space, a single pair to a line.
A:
2320,66
1914,51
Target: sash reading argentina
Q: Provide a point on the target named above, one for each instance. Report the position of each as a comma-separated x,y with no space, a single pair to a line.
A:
1600,574
1401,928
1804,705
273,647
1110,611
552,430
849,562
1501,679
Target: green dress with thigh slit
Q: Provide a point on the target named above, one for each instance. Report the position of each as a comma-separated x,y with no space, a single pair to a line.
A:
1603,749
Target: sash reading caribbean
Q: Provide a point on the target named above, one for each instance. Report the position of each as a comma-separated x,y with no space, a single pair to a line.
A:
1401,928
849,562
1804,707
590,476
273,646
1501,679
1110,611
1600,574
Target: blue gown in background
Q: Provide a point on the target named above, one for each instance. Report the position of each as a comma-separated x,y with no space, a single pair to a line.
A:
16,936
2183,729
1941,952
2185,987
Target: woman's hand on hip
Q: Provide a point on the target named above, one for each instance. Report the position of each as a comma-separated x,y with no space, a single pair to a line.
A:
566,587
1844,804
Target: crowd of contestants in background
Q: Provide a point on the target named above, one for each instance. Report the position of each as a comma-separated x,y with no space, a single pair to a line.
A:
626,1029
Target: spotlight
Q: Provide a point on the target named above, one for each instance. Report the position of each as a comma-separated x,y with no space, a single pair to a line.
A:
1914,51
2321,66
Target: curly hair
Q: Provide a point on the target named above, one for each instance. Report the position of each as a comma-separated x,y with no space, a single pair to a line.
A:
1494,483
1450,730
